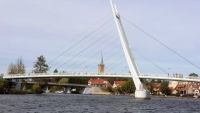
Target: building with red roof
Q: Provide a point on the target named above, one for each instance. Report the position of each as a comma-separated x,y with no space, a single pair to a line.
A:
98,82
118,84
184,89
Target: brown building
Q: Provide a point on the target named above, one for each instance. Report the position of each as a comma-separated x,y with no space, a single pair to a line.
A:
101,66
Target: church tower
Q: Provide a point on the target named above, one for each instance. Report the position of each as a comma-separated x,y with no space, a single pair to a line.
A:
101,66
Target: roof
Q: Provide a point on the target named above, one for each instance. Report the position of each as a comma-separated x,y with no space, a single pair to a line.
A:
119,83
99,81
91,79
182,87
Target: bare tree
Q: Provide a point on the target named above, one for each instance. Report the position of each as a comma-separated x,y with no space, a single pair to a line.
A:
18,68
12,69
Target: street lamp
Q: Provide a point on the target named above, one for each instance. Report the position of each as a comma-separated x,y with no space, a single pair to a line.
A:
169,72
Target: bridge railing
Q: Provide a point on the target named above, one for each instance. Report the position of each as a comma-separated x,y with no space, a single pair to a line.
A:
154,75
46,74
191,77
169,76
16,75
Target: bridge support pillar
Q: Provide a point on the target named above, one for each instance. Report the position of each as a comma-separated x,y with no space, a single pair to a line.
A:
67,90
23,87
17,83
46,89
81,90
142,95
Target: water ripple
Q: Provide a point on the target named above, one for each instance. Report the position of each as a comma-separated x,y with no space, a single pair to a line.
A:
74,103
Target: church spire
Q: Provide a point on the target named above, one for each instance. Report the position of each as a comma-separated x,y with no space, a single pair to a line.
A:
101,58
101,66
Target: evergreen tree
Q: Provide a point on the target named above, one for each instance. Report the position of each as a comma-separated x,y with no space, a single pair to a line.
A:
164,87
55,71
128,86
193,74
40,66
78,80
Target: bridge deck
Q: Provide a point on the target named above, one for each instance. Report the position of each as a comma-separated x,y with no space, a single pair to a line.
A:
60,84
142,76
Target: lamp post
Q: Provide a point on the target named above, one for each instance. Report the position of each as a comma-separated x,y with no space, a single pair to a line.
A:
169,72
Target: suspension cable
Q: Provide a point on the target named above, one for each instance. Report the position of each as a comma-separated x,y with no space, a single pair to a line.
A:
161,43
80,40
106,59
117,64
87,48
123,70
150,61
98,52
113,62
86,42
79,35
92,50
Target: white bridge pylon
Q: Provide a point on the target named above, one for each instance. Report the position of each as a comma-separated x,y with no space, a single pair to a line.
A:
141,89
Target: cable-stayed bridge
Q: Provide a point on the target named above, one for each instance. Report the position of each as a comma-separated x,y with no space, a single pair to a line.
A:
85,49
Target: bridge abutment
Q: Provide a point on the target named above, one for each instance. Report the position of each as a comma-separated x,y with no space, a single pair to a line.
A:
81,90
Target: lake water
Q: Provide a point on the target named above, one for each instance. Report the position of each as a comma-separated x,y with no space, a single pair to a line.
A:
77,103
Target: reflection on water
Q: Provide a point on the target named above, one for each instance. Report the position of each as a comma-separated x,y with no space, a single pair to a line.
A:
75,103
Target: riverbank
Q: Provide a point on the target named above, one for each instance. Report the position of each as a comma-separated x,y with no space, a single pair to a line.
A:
181,97
159,96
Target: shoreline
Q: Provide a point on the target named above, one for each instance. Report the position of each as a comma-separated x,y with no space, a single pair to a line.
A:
181,97
131,94
156,96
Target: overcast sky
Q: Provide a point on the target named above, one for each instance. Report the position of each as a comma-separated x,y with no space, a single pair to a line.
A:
29,29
